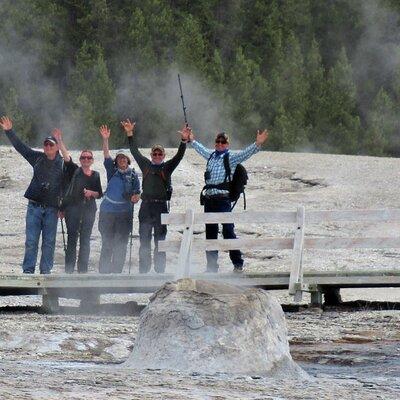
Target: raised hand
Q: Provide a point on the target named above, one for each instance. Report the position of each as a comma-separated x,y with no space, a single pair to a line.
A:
6,123
129,126
57,134
186,133
105,131
261,137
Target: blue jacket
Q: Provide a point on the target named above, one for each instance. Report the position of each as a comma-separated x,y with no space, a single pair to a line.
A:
121,186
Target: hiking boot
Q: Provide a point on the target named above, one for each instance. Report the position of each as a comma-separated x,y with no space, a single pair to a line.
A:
238,268
211,270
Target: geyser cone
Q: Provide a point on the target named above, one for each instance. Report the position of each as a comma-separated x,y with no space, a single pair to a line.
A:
208,327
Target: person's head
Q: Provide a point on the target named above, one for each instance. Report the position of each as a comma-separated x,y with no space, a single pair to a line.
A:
50,147
122,160
86,158
221,141
157,154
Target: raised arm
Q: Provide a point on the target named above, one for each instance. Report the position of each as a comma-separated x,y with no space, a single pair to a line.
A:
176,159
262,137
105,134
29,154
240,156
6,123
58,136
203,151
129,128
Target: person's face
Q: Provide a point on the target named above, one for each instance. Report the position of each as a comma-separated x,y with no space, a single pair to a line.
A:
122,162
221,144
86,159
50,149
157,156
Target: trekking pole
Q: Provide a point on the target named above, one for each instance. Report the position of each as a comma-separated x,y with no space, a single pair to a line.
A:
63,235
130,244
183,101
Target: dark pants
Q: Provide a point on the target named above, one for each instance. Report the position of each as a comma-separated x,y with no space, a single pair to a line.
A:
79,220
114,229
228,232
149,219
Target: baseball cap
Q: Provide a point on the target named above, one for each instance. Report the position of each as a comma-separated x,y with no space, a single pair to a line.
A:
158,147
222,135
50,139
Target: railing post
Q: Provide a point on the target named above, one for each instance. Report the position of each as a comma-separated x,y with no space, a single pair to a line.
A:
49,300
296,273
186,246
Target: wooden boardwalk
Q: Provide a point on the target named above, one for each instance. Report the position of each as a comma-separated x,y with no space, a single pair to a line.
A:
90,286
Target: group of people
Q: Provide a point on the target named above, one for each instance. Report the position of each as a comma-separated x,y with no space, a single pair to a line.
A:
60,188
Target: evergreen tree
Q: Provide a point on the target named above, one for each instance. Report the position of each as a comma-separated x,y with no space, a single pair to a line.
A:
340,119
317,87
244,80
290,89
190,48
22,124
215,70
262,33
90,78
85,128
382,127
69,57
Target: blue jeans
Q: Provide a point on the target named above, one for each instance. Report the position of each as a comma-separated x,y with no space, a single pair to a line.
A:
40,220
228,232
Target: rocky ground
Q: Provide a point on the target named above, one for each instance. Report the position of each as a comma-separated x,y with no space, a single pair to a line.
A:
348,354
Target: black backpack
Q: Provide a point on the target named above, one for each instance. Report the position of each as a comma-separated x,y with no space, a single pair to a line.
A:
236,185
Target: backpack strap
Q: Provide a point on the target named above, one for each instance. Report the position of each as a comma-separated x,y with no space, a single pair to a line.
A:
227,168
68,192
227,180
161,173
132,176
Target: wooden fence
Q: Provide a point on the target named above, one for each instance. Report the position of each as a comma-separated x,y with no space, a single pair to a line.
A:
298,242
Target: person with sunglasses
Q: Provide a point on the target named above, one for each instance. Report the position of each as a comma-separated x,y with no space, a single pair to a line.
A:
43,194
80,208
116,209
156,193
216,199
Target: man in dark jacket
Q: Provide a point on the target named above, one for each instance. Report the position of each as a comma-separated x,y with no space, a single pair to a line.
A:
156,192
43,194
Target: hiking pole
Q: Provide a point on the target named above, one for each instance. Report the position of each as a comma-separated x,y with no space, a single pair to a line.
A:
183,101
63,235
130,244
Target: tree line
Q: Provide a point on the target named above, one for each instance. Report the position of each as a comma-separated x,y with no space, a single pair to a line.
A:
321,75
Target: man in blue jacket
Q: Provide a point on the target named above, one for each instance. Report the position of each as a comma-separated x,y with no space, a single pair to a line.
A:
43,193
115,218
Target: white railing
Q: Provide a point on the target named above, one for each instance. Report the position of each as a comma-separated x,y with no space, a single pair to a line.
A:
297,243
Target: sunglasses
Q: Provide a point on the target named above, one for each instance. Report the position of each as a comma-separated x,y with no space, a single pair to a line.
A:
48,144
157,154
86,158
221,141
